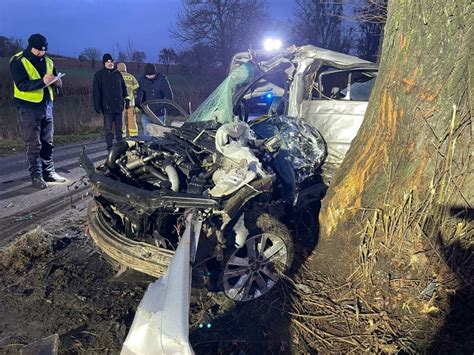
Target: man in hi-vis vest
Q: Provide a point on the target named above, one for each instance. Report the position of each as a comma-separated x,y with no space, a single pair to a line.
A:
35,81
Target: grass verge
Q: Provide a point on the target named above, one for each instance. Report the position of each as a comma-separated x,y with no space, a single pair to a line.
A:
12,146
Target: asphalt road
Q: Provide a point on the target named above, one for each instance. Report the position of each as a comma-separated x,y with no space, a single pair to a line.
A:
23,207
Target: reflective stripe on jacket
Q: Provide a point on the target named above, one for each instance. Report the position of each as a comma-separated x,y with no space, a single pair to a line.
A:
35,95
132,86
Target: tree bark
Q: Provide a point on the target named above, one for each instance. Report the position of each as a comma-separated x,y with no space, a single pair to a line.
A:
392,270
415,144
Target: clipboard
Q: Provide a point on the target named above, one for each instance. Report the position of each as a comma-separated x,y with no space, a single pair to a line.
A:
59,76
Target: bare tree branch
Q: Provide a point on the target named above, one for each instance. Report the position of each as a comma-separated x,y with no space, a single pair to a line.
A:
92,54
167,56
225,26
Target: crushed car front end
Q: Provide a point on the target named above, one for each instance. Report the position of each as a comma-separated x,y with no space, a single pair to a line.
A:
146,186
238,171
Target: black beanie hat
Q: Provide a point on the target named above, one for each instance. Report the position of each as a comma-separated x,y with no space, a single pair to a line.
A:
150,69
38,42
106,57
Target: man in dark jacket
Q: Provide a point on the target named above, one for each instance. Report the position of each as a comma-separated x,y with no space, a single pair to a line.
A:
34,85
153,86
110,99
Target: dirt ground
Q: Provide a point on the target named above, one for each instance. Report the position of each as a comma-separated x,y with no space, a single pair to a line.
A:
59,283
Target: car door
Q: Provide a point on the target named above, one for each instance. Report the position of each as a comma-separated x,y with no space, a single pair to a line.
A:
165,113
336,107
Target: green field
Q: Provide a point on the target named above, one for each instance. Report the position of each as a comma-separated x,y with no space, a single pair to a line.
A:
73,113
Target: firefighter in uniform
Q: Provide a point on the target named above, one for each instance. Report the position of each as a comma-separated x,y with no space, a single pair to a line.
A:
34,84
129,118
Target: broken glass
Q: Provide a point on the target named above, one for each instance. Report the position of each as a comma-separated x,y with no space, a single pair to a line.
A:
218,106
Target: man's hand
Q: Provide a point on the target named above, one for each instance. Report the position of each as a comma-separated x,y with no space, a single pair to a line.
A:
48,78
58,83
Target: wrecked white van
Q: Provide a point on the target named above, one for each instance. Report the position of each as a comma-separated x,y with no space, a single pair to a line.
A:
327,89
234,162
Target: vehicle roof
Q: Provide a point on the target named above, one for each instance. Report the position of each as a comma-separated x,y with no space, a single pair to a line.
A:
328,57
305,53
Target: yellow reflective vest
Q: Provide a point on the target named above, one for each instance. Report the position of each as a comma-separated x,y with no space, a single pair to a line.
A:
132,86
35,95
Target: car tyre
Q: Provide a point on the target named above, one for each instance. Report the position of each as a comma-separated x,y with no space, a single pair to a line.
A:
254,269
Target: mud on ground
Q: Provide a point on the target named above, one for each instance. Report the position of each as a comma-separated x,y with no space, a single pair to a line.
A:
61,284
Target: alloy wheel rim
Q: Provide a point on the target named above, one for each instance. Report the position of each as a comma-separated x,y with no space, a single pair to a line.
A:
254,269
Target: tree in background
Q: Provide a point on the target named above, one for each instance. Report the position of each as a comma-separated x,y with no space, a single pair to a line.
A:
371,18
122,56
318,22
225,26
167,56
81,58
129,49
10,46
197,59
92,54
138,57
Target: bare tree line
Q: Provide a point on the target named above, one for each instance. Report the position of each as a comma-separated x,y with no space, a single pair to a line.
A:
10,46
93,55
211,31
166,56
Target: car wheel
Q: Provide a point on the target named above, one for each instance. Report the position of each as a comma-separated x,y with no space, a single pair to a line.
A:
254,269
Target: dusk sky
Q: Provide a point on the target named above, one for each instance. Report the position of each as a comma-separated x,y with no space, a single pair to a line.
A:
72,25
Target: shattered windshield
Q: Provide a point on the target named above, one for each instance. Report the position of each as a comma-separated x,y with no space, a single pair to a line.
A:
218,106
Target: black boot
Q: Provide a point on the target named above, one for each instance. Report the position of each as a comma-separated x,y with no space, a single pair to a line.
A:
38,182
54,177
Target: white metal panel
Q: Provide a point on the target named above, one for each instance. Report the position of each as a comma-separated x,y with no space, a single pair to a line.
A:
161,323
338,121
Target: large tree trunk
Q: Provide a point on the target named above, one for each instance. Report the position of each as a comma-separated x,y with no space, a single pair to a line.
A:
417,134
402,199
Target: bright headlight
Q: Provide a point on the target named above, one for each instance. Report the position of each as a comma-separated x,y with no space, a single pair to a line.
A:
272,44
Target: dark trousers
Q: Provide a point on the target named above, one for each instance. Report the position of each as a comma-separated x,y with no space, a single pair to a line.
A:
37,129
112,121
